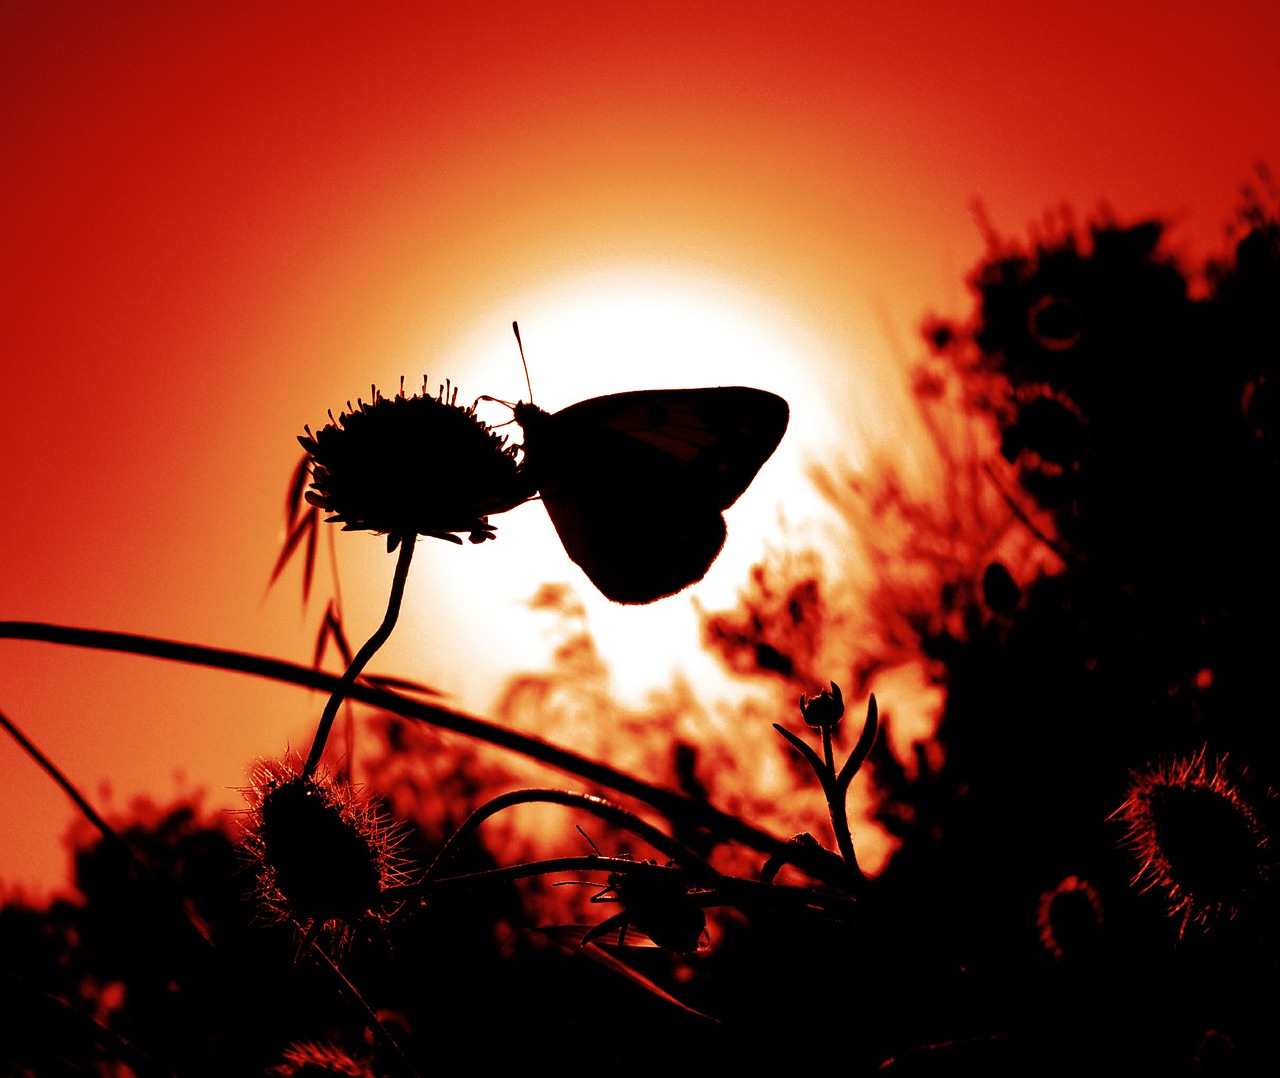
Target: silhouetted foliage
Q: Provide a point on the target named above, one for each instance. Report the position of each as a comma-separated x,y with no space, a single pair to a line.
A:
1108,732
1086,861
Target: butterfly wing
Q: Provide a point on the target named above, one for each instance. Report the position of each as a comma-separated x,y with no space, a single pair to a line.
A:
636,483
630,519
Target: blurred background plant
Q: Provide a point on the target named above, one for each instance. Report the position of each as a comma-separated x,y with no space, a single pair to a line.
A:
1083,847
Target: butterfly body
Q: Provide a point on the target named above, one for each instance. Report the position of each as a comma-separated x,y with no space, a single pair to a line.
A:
636,483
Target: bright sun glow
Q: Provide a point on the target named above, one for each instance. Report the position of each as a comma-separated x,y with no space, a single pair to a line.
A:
605,334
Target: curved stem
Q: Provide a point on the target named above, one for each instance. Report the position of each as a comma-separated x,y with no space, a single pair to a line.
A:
87,810
836,794
675,806
109,834
838,790
379,1031
863,748
718,890
597,805
407,543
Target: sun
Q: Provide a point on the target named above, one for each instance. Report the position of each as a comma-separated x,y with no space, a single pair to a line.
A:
605,333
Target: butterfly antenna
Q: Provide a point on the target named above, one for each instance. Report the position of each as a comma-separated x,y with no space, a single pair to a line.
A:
515,328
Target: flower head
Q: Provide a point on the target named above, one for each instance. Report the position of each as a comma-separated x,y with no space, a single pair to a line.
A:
1070,918
309,1060
1198,838
825,709
325,857
419,465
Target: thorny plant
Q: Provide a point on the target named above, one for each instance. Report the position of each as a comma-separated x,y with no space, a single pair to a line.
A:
327,860
1193,987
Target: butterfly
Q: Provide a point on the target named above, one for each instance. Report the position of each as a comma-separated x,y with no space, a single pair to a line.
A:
636,484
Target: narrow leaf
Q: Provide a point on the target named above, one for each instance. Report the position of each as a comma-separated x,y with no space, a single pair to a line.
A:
569,937
297,484
305,523
309,565
815,761
398,684
865,740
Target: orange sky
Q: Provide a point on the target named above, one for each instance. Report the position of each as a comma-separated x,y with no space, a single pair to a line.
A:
221,220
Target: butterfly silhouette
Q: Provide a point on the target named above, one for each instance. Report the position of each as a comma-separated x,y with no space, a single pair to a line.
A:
636,484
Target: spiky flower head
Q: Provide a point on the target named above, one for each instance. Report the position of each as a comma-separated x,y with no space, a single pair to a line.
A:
308,1060
325,856
1198,838
1070,918
419,465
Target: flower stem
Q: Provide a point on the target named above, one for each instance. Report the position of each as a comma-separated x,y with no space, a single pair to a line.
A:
836,786
836,794
379,1031
379,637
110,836
828,752
597,805
836,790
690,811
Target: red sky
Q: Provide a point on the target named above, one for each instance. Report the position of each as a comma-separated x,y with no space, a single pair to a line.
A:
220,221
